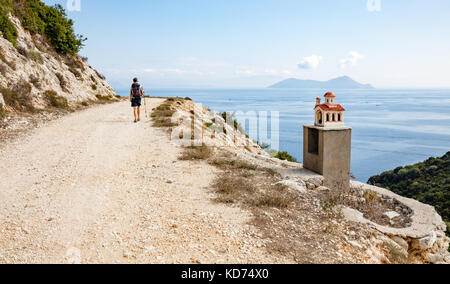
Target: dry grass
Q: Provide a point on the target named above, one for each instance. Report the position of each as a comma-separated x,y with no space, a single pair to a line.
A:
74,63
229,163
19,97
103,99
35,81
62,82
2,112
196,153
3,69
292,221
31,54
162,115
56,101
35,56
231,188
239,176
11,64
367,202
76,73
276,196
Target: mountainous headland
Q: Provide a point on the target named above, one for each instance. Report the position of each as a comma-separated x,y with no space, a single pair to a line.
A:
344,82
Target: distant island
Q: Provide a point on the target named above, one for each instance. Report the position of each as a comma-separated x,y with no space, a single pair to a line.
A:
344,82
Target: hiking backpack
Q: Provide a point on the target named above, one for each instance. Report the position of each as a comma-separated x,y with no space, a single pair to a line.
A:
136,90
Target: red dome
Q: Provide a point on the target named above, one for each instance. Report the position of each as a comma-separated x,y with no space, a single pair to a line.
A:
329,95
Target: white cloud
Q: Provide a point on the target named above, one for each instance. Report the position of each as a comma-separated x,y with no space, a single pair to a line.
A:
310,62
351,60
245,72
174,71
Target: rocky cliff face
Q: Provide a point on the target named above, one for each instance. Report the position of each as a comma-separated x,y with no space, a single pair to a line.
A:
34,76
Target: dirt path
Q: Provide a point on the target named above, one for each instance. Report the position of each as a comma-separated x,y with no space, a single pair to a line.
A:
93,187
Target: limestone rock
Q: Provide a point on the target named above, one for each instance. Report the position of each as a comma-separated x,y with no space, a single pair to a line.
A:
2,101
401,242
355,244
435,258
391,214
425,243
293,185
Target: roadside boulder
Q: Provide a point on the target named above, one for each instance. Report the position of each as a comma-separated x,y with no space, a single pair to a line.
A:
2,102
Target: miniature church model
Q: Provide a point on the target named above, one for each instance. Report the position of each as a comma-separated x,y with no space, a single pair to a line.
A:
327,143
329,114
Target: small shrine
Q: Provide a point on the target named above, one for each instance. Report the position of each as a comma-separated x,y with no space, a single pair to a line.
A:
327,143
329,114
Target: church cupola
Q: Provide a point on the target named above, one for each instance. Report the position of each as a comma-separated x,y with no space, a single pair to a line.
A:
329,98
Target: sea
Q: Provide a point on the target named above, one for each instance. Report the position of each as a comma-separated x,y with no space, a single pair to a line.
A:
391,128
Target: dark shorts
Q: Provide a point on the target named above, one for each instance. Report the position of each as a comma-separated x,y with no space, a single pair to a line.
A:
136,102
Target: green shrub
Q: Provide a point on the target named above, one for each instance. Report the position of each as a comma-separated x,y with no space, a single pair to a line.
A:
7,28
56,101
94,87
285,157
38,18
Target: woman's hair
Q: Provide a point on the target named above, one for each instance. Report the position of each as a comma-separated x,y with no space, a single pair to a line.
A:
135,80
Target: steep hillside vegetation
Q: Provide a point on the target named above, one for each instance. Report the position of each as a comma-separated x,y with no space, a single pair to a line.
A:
428,182
39,65
37,18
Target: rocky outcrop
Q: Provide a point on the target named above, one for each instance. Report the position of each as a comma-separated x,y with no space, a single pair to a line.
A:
32,68
204,126
423,241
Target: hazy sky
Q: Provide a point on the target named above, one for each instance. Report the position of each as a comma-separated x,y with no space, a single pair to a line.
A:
255,43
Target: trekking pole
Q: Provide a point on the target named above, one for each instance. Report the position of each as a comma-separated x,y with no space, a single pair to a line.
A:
145,106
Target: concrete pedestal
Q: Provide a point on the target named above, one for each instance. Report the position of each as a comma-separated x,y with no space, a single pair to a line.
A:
327,151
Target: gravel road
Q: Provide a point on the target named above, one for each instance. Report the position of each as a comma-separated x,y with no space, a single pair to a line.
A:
93,187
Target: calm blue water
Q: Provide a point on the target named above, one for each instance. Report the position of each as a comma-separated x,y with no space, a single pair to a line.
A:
391,128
